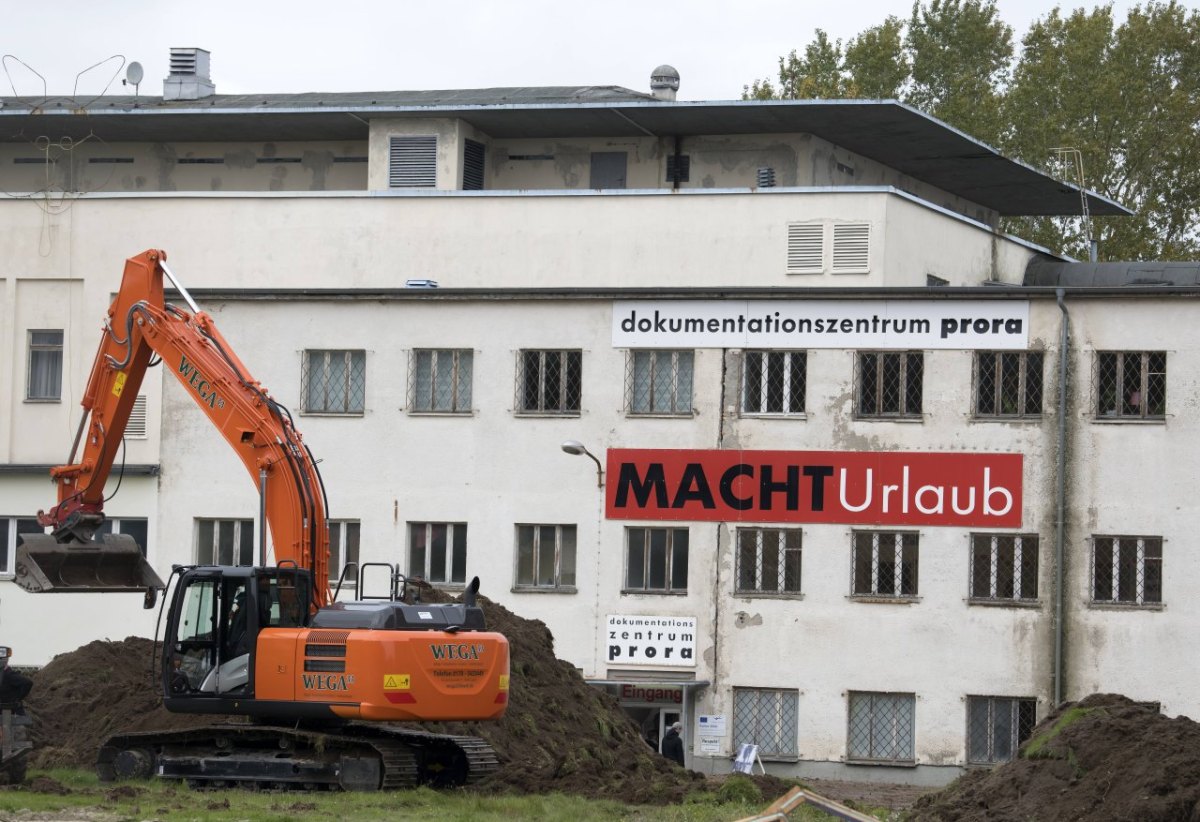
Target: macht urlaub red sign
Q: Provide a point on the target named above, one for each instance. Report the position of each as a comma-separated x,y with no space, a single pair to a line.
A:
851,487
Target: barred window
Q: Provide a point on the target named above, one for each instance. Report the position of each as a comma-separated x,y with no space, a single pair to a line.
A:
225,541
885,564
549,382
437,551
335,382
890,384
1004,567
660,382
545,556
996,727
343,548
768,718
440,380
768,561
44,380
135,527
1127,570
656,560
1008,384
11,529
773,382
1131,385
881,727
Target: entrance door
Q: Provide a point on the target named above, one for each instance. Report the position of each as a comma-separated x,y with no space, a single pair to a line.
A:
667,718
608,169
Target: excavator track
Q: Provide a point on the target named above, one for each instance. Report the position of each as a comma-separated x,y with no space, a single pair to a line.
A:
355,757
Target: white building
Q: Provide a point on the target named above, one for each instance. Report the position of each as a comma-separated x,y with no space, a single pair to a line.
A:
835,537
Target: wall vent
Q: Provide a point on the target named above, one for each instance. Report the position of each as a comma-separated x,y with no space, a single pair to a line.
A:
412,162
851,248
473,161
135,429
766,178
805,248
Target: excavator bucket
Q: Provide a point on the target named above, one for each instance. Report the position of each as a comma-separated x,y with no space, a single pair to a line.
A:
112,563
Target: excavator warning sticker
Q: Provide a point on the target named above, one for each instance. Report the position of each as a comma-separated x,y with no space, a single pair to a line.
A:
397,682
504,682
119,383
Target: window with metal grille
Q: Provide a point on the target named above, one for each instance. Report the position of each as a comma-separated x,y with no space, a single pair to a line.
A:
335,382
549,382
890,384
851,248
10,530
996,727
656,560
1127,570
437,551
343,548
881,727
44,380
136,527
773,382
473,165
546,557
805,248
135,428
768,561
440,380
768,718
1004,567
1008,384
1131,385
885,564
225,541
412,162
679,172
659,382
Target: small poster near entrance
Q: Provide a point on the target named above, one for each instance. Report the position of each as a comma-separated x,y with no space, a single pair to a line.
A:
747,755
710,729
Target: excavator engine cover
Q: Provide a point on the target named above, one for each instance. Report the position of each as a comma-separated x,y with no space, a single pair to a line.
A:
110,564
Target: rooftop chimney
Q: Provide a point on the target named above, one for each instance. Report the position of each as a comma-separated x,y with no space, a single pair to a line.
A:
664,82
188,79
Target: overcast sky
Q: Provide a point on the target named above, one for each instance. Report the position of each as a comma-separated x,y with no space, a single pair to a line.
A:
360,45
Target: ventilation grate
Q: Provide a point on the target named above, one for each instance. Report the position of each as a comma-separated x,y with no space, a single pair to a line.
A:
473,159
412,162
136,427
805,251
851,248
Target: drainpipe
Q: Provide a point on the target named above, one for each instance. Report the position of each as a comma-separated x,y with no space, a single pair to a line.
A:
1063,344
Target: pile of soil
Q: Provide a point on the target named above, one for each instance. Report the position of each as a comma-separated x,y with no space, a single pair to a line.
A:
559,733
1105,757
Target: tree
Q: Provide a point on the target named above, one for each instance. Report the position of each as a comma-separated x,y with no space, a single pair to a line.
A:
876,62
817,75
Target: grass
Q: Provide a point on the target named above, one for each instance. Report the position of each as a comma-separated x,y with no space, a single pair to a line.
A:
1036,748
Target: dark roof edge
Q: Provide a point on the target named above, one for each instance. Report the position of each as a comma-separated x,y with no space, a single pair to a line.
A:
135,470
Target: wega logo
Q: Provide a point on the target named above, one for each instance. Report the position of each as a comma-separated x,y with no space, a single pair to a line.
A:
203,388
327,682
448,652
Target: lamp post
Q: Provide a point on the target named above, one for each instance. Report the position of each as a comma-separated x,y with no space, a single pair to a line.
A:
577,448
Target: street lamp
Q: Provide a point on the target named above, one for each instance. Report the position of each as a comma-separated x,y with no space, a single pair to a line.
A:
577,448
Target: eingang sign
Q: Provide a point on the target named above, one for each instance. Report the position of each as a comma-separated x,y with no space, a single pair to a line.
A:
854,487
856,324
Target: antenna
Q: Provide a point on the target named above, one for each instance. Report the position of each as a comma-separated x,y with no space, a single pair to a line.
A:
1074,157
133,76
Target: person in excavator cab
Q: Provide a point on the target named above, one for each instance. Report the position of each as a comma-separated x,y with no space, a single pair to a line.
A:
14,685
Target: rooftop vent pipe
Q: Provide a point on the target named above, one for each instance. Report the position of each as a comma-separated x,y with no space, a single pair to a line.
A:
664,82
188,79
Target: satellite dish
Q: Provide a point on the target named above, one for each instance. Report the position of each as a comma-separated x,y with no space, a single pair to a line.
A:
134,73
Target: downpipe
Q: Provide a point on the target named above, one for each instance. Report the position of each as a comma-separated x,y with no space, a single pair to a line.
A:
1061,495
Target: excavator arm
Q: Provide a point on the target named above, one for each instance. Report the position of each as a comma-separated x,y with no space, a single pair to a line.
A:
140,325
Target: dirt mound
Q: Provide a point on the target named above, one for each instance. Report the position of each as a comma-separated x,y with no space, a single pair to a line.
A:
1105,757
559,734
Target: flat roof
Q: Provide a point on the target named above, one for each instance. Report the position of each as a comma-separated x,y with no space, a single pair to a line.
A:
887,131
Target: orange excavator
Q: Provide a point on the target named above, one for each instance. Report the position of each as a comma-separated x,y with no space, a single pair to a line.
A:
322,681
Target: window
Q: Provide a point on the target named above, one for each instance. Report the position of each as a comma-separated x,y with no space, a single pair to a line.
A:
45,366
656,560
768,561
437,551
549,382
343,548
1008,384
1004,567
135,527
1131,385
996,727
773,382
890,384
885,564
546,556
335,382
10,528
412,162
1127,570
881,727
225,541
440,381
767,718
660,382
